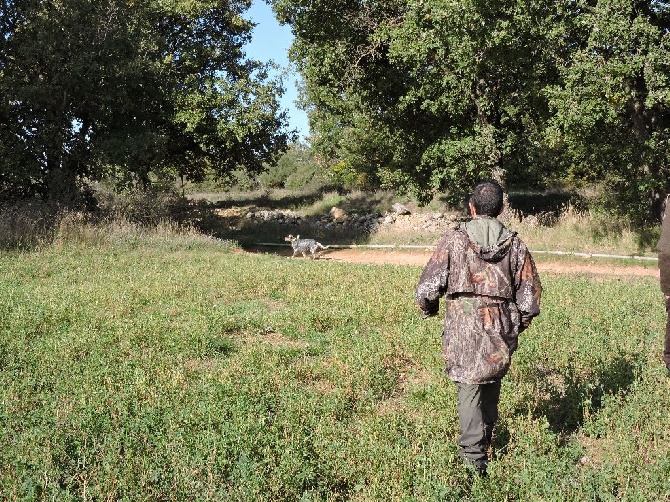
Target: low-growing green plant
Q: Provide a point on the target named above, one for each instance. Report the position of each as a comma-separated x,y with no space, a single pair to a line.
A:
143,370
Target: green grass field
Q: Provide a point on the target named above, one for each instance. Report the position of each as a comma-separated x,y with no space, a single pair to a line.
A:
184,370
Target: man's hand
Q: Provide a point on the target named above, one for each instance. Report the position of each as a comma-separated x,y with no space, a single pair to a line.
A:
523,325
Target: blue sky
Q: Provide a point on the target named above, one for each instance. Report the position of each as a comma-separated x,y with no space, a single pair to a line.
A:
271,42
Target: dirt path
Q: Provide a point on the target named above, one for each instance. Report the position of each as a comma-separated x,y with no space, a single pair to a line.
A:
420,258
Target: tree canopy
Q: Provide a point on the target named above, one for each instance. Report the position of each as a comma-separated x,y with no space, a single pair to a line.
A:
431,95
611,107
130,88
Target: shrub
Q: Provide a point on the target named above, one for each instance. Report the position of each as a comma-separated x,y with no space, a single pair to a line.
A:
27,224
296,170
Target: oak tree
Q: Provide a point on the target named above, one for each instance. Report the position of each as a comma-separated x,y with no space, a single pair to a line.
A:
430,95
133,89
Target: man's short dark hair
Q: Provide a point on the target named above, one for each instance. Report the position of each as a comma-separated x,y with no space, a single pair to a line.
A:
487,198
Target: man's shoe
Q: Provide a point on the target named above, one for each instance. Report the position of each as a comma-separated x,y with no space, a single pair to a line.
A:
478,468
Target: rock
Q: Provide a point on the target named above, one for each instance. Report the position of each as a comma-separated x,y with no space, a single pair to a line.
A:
338,218
338,215
400,209
531,221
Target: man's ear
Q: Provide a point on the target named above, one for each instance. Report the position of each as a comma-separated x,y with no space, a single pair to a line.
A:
473,211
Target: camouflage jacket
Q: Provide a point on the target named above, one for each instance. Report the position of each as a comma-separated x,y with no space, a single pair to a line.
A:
492,291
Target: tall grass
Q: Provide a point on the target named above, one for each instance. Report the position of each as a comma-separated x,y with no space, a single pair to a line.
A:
26,226
570,230
118,221
153,368
583,231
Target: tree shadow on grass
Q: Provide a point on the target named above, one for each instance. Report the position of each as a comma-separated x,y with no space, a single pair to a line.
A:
566,397
250,235
553,202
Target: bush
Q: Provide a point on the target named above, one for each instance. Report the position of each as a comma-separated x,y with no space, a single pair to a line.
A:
146,207
27,224
296,170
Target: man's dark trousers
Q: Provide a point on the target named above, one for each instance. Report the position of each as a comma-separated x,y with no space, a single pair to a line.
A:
477,414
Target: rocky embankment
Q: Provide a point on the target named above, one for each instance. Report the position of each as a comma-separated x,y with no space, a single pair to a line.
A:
398,217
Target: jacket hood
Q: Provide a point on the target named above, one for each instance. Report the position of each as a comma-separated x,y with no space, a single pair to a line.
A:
490,238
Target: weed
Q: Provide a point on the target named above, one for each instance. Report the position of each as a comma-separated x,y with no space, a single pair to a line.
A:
145,361
166,366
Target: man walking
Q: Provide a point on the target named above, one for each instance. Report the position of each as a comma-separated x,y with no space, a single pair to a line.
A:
492,292
664,269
